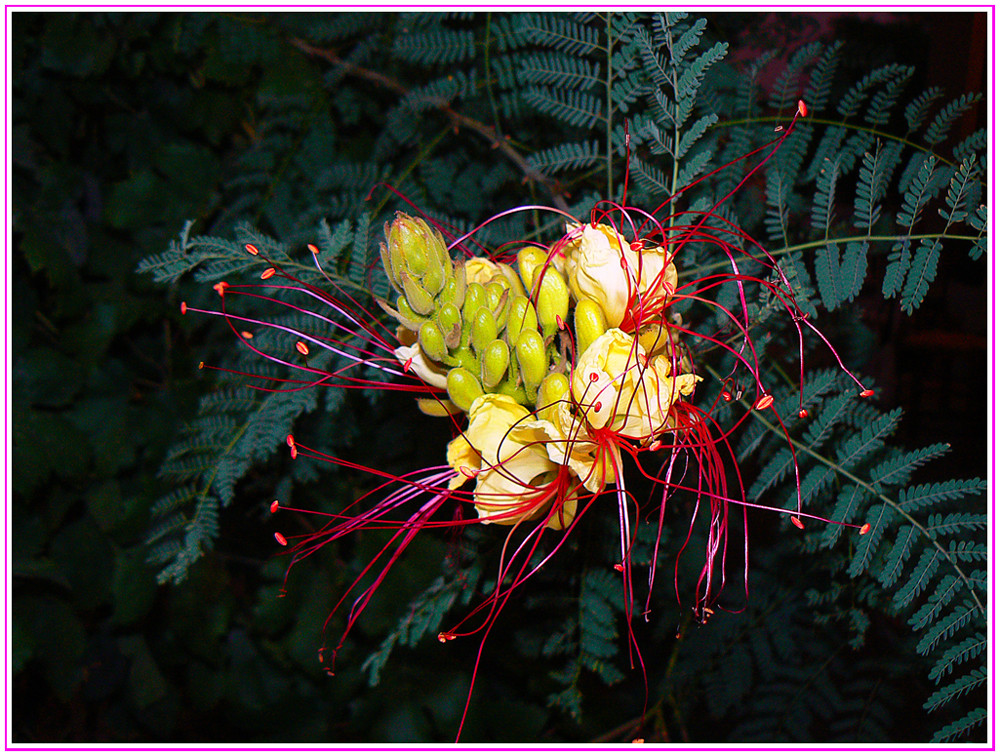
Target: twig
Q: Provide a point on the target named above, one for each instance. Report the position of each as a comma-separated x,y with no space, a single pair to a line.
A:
458,120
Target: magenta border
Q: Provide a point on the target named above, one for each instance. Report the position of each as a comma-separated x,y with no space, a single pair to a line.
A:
989,746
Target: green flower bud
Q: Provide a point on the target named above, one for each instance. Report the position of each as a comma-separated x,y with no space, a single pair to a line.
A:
463,388
416,295
522,317
405,314
498,300
553,301
434,279
408,242
588,319
528,260
475,297
553,388
532,359
483,329
494,361
432,342
449,319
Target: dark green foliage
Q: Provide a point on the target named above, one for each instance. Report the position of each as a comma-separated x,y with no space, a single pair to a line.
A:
150,149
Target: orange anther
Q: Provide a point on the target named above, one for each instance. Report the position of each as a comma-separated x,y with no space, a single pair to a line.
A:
865,528
290,440
313,248
619,568
221,287
246,334
295,452
779,127
635,246
803,110
803,412
280,539
445,637
727,396
275,506
302,347
764,402
867,392
797,523
201,365
184,308
252,249
268,272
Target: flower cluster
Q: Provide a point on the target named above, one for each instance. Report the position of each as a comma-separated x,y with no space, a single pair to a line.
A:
549,405
562,368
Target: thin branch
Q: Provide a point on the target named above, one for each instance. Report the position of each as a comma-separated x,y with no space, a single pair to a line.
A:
458,120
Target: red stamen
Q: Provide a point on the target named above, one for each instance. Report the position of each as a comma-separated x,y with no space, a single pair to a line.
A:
290,440
302,347
797,523
313,248
803,412
252,249
764,402
867,392
275,506
280,539
268,272
865,528
635,246
221,287
597,406
184,308
619,568
727,396
803,110
445,637
594,377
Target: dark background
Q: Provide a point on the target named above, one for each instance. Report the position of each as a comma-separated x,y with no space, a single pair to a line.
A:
123,129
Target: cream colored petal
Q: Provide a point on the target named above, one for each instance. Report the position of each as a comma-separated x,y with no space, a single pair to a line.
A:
413,359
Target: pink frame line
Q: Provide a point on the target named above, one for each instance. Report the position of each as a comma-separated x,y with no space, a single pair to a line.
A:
989,746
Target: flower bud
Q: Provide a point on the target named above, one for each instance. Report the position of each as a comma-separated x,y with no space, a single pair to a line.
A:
494,361
528,260
532,359
408,239
475,297
589,323
553,301
449,320
522,317
432,342
483,329
416,295
453,291
463,388
405,314
552,389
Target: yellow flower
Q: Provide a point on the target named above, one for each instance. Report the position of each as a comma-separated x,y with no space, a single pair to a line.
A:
617,387
504,450
568,442
603,267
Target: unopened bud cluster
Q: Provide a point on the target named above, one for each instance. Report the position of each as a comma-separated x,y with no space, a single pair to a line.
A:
544,355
